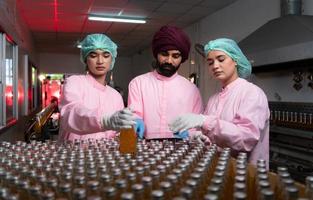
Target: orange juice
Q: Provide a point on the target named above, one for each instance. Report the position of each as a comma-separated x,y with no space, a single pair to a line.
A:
128,141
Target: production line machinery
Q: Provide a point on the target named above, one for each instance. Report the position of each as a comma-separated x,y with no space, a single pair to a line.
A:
291,138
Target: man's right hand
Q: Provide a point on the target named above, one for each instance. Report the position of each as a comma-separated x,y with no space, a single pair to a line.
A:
140,128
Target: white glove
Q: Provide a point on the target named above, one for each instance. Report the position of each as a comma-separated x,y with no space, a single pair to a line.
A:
198,136
123,119
187,121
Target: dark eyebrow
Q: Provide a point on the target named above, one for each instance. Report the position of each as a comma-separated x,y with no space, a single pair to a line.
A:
221,56
176,54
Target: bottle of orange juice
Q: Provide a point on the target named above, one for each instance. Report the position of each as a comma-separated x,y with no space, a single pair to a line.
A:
128,141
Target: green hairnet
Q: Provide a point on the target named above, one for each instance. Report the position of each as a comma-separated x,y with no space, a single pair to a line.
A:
98,41
231,48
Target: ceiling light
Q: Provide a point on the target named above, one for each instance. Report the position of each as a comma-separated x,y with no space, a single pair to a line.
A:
116,19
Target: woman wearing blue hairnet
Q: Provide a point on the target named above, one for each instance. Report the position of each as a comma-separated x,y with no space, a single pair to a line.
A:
238,115
89,107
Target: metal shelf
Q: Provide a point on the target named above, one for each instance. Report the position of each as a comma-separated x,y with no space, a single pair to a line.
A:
291,132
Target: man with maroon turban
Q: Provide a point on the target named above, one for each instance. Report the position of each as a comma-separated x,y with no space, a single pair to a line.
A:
158,97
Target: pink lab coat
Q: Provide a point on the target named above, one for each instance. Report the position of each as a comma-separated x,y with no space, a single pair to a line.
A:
83,103
158,100
238,117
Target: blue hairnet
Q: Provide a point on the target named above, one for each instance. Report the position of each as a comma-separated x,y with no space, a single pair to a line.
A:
98,41
231,48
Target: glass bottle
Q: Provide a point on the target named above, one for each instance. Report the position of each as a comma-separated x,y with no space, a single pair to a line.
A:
309,187
128,141
34,191
267,194
52,184
47,195
23,186
167,189
147,183
127,196
65,190
291,193
79,193
138,191
93,188
155,175
186,192
121,186
240,196
105,179
157,195
109,192
210,196
4,192
79,181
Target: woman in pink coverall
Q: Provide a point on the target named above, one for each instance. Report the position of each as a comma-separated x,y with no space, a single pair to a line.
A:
90,108
238,115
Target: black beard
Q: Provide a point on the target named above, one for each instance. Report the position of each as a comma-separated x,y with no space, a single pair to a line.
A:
166,69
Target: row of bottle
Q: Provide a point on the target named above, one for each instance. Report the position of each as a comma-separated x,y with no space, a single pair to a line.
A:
158,170
292,119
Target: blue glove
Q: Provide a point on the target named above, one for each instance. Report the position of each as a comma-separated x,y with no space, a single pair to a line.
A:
181,135
139,128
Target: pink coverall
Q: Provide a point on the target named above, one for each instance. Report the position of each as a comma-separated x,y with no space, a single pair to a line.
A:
83,103
158,100
238,117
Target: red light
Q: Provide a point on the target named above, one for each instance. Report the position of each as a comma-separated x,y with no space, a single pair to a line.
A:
9,38
56,94
55,4
9,95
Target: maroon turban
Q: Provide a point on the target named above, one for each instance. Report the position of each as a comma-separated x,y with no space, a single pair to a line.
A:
171,38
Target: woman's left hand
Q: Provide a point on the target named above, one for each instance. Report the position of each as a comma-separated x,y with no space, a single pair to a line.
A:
199,137
187,121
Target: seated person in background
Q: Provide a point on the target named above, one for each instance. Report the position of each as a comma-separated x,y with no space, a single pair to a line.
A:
89,108
238,115
159,96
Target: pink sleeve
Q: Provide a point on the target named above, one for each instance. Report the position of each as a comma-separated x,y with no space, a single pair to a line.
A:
75,117
197,103
134,98
197,109
243,132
